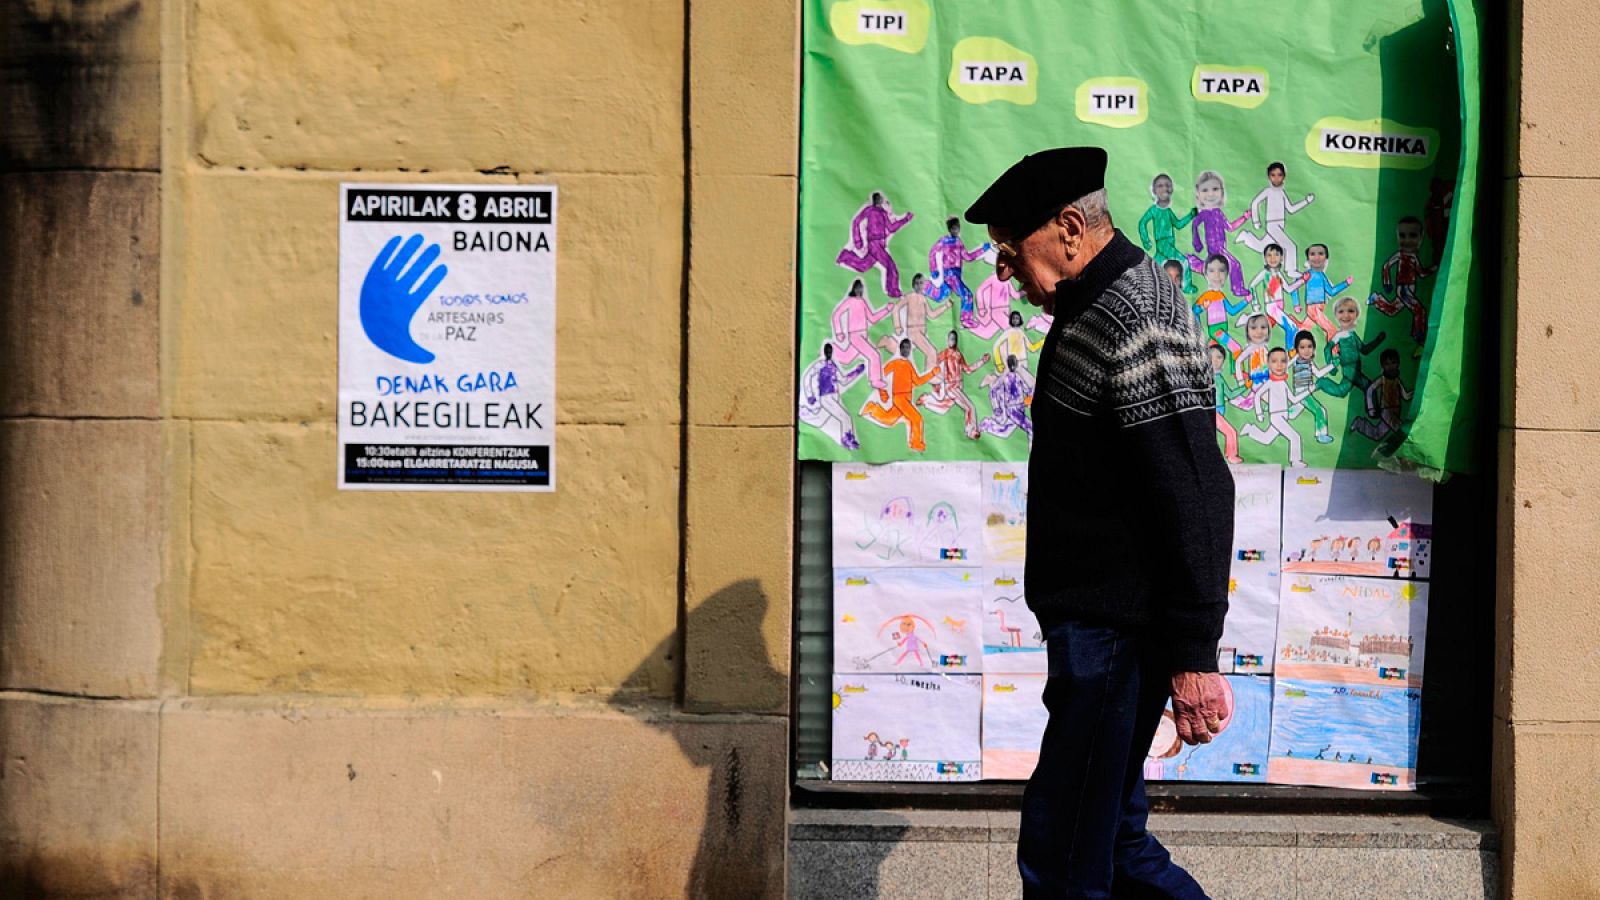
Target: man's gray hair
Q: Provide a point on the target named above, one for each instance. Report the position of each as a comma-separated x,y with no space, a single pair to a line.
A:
1093,206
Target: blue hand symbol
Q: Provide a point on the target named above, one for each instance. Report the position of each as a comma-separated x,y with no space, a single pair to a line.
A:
388,300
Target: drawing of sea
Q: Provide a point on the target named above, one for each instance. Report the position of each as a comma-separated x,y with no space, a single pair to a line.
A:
1357,522
1239,753
907,620
1005,511
907,514
1367,631
1012,638
907,728
1013,725
1344,735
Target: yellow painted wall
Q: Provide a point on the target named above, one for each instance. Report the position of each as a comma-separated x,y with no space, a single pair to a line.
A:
293,586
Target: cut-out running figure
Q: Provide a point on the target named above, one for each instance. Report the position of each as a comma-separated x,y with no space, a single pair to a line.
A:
1386,398
1211,227
1273,398
1213,308
945,259
1009,395
993,308
1401,273
851,319
1158,227
1279,290
1225,393
1319,290
1013,344
1253,365
1303,375
1347,348
870,231
1278,208
948,391
911,314
904,378
820,388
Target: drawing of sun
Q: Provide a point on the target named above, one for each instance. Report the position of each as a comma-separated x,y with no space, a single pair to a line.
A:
837,699
1408,593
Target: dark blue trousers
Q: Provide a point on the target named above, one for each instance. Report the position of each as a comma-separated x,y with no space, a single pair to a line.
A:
1084,810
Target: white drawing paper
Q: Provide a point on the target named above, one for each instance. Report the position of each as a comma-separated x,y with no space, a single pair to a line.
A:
907,728
1357,522
1012,638
1352,631
1005,512
909,514
1013,724
907,620
1239,753
1341,735
1251,626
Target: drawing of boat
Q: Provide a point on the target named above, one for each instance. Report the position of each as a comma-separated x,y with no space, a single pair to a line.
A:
1293,692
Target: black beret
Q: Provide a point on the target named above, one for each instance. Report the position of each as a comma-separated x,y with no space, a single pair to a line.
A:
1039,184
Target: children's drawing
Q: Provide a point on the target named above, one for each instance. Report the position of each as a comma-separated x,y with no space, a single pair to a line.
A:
1353,631
1010,393
1239,753
912,514
1158,229
1005,512
907,620
898,406
1273,208
911,314
1319,289
1304,374
1226,393
946,258
1280,290
993,309
1346,349
1273,399
1211,227
870,231
949,390
1357,522
820,388
1012,638
1401,272
1250,630
1341,735
851,319
907,727
1386,398
1013,725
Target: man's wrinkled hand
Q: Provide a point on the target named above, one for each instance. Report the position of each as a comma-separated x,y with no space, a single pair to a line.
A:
1199,706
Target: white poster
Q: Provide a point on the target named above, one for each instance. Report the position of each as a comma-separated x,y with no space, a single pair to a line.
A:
1013,724
1357,522
907,727
907,514
1005,512
447,337
1251,627
907,620
1012,638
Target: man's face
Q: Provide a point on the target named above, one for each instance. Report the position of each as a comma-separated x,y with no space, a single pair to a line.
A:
1032,265
1163,191
1317,258
1275,177
1409,234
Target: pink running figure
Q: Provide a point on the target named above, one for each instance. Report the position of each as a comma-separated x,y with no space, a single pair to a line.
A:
906,638
851,319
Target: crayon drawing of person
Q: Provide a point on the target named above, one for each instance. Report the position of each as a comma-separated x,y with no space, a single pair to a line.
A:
1158,227
910,643
1211,227
870,231
820,388
1319,289
1213,307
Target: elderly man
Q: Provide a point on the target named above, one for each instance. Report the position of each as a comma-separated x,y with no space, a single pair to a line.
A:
1130,522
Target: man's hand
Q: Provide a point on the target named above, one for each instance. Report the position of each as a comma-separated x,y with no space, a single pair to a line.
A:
1200,706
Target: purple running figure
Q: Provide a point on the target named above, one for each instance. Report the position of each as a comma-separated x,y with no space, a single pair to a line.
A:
869,241
945,259
1213,223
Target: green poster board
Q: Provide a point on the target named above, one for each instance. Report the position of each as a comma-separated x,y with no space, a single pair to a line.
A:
911,108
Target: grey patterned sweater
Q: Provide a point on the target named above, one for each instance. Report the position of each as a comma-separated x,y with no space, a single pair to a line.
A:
1130,505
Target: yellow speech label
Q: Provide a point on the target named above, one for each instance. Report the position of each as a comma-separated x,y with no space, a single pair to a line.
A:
1114,102
986,69
1371,144
1241,86
897,24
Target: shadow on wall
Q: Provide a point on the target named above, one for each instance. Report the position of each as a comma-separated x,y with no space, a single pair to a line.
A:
746,757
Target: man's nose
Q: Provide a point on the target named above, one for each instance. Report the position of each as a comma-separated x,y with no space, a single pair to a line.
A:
1002,271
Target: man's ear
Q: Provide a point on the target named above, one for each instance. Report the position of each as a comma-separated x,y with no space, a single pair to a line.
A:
1073,228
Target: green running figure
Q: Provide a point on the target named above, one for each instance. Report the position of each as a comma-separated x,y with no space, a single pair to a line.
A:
1158,227
1348,348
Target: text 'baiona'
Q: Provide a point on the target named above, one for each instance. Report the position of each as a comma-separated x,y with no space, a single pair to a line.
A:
994,73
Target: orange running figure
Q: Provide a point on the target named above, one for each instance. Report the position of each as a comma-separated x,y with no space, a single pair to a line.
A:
904,379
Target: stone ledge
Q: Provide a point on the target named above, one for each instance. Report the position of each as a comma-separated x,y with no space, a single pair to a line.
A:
1180,830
